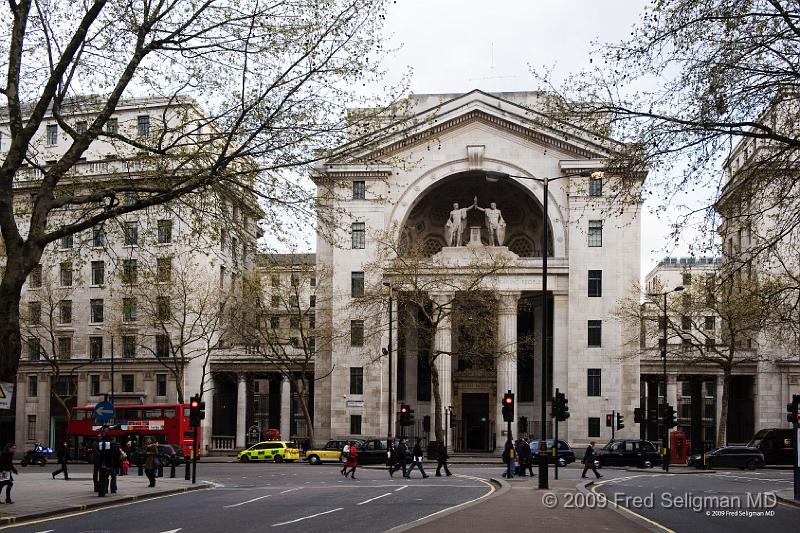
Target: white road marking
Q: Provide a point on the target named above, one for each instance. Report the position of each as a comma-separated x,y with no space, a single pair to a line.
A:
291,490
46,531
751,478
375,498
248,501
401,488
307,517
170,531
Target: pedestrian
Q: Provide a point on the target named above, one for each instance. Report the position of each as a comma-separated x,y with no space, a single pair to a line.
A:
527,456
441,459
588,461
345,456
115,463
391,453
509,458
6,469
401,456
416,460
352,461
63,455
151,462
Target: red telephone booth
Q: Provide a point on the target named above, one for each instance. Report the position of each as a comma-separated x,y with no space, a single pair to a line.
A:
679,447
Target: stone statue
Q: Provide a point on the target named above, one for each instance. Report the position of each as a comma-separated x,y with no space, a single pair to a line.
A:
454,228
494,223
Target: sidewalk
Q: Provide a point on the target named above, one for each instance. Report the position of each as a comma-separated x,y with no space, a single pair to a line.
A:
36,494
519,505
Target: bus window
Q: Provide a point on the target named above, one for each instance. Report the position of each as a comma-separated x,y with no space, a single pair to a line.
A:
169,412
133,414
79,414
186,412
150,414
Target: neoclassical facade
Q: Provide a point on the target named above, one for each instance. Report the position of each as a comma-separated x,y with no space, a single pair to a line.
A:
407,186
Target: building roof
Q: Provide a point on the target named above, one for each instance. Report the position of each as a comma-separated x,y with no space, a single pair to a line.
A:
285,260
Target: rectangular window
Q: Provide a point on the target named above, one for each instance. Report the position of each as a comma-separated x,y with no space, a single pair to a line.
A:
686,278
274,322
312,301
96,310
595,283
131,232
96,347
595,233
34,349
81,127
312,320
596,187
143,125
162,346
710,343
35,277
33,386
98,272
295,279
163,308
130,271
130,197
313,282
129,346
98,236
356,284
294,322
276,282
275,301
359,190
65,312
127,383
164,231
112,126
222,276
711,322
52,134
358,230
164,269
356,380
129,309
595,332
235,250
64,347
65,274
32,424
686,323
94,385
161,384
355,424
65,243
593,382
594,426
356,333
35,313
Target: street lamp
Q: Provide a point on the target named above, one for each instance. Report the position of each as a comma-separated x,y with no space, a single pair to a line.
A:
665,437
492,177
388,351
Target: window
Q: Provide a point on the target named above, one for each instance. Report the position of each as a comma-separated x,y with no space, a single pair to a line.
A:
312,300
295,279
223,238
129,346
596,187
294,322
143,125
274,322
130,271
96,347
52,134
711,322
358,190
356,380
235,250
686,278
312,320
65,312
33,386
127,383
595,283
131,232
161,384
98,236
162,346
594,426
595,233
35,313
356,284
221,276
64,347
164,269
164,231
276,282
34,349
80,127
355,424
312,344
595,332
275,301
356,333
294,342
162,308
686,323
35,277
65,274
130,197
313,282
96,310
129,309
98,272
94,385
593,382
358,235
65,243
32,420
112,126
710,343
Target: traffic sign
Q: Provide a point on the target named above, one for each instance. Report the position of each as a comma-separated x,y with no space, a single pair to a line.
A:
103,411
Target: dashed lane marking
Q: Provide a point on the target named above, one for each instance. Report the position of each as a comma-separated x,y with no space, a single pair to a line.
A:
248,501
307,517
292,490
401,488
375,498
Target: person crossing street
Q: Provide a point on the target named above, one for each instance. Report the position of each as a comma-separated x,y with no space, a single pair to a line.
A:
417,460
589,458
441,459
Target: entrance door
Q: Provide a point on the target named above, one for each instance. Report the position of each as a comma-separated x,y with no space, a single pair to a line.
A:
475,417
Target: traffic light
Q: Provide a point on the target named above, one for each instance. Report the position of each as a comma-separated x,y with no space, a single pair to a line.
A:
792,414
638,415
609,420
669,416
508,407
406,415
620,421
652,415
560,407
197,411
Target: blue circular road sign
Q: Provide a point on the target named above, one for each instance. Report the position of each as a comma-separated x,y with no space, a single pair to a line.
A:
103,411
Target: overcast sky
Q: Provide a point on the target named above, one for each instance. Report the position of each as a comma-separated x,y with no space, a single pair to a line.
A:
460,45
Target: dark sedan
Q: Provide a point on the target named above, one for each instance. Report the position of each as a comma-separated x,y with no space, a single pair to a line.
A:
168,454
627,452
565,453
729,457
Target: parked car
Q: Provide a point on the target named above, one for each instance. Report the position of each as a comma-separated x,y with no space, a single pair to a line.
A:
274,450
776,444
628,452
169,454
565,453
332,451
729,457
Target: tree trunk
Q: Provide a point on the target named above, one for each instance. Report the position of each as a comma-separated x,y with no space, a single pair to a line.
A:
437,395
10,336
301,386
722,429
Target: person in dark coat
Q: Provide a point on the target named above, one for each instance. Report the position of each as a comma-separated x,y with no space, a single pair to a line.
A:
63,455
151,462
509,458
417,460
115,463
525,457
401,455
589,458
441,459
6,469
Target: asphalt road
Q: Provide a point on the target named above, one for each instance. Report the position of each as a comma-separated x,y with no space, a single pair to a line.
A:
281,498
723,501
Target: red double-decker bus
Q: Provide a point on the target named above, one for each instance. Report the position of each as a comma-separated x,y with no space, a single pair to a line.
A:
165,423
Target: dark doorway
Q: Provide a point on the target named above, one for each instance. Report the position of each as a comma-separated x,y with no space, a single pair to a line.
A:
741,420
475,420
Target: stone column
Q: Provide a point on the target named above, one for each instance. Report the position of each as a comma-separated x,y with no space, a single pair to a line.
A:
507,362
718,406
286,409
208,422
241,411
443,365
672,393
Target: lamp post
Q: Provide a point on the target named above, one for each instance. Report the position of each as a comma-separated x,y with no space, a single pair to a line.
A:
665,436
492,176
388,351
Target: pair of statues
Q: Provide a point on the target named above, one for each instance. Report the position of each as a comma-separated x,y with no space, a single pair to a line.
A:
454,229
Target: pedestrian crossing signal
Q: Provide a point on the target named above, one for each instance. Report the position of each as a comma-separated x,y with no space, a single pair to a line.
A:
609,420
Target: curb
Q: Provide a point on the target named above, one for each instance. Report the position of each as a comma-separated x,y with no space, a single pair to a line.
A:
21,519
583,487
788,501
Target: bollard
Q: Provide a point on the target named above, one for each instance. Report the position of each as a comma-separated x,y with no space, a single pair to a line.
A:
188,475
141,469
172,470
